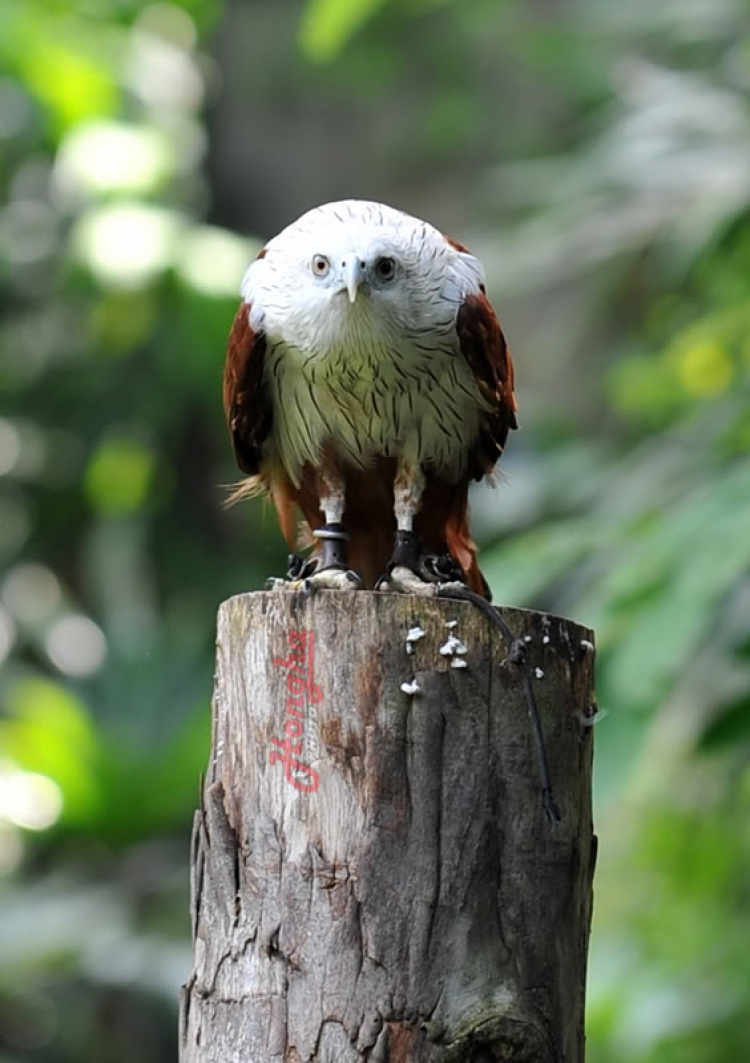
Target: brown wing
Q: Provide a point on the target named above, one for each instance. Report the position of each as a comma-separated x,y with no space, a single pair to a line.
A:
247,404
484,348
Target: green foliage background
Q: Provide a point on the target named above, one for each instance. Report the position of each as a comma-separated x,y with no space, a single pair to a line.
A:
596,155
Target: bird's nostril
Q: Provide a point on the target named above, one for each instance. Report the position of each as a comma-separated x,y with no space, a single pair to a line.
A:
362,263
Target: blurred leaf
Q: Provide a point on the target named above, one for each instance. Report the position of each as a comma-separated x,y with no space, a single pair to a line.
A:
521,570
119,475
122,321
730,726
49,731
65,75
685,563
179,767
646,389
327,25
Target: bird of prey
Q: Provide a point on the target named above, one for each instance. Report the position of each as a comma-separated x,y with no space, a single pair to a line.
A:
367,382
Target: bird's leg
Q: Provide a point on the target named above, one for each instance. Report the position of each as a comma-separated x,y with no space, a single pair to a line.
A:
331,536
410,569
332,571
328,568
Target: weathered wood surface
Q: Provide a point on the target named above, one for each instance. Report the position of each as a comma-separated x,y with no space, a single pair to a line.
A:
385,886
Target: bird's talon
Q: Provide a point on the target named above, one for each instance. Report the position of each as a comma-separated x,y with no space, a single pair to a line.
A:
402,580
294,566
334,578
442,568
412,571
300,568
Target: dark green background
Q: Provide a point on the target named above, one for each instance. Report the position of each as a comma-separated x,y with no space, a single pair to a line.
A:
596,155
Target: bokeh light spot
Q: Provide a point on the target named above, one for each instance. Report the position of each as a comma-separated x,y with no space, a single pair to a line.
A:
105,157
127,244
76,645
7,634
28,232
213,260
28,799
169,21
10,446
31,456
47,730
31,593
163,74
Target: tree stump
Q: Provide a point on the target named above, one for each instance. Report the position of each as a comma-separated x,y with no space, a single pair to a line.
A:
373,874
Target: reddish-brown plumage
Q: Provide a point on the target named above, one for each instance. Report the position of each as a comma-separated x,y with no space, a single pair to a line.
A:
457,246
247,405
442,521
484,347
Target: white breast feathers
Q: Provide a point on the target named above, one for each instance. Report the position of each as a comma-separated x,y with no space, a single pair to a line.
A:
358,304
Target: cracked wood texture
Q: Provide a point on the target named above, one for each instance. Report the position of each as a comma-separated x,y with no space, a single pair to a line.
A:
373,875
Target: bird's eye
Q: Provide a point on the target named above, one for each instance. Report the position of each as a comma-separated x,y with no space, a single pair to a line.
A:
320,265
385,269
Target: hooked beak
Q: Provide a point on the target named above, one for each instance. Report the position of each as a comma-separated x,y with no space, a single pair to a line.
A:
353,276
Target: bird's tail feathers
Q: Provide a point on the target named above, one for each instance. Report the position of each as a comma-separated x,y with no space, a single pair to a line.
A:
463,549
249,487
274,484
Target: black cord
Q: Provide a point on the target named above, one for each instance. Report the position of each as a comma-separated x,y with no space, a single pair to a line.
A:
516,656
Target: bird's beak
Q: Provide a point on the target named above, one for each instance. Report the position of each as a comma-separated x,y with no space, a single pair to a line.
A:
353,276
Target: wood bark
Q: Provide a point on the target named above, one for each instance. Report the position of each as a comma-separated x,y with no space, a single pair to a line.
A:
373,875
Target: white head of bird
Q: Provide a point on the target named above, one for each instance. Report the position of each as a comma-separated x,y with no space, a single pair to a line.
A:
348,270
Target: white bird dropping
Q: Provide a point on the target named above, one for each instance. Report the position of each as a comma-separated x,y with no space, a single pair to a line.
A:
453,646
414,634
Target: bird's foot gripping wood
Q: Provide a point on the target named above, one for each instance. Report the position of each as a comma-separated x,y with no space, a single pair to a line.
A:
327,571
412,571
